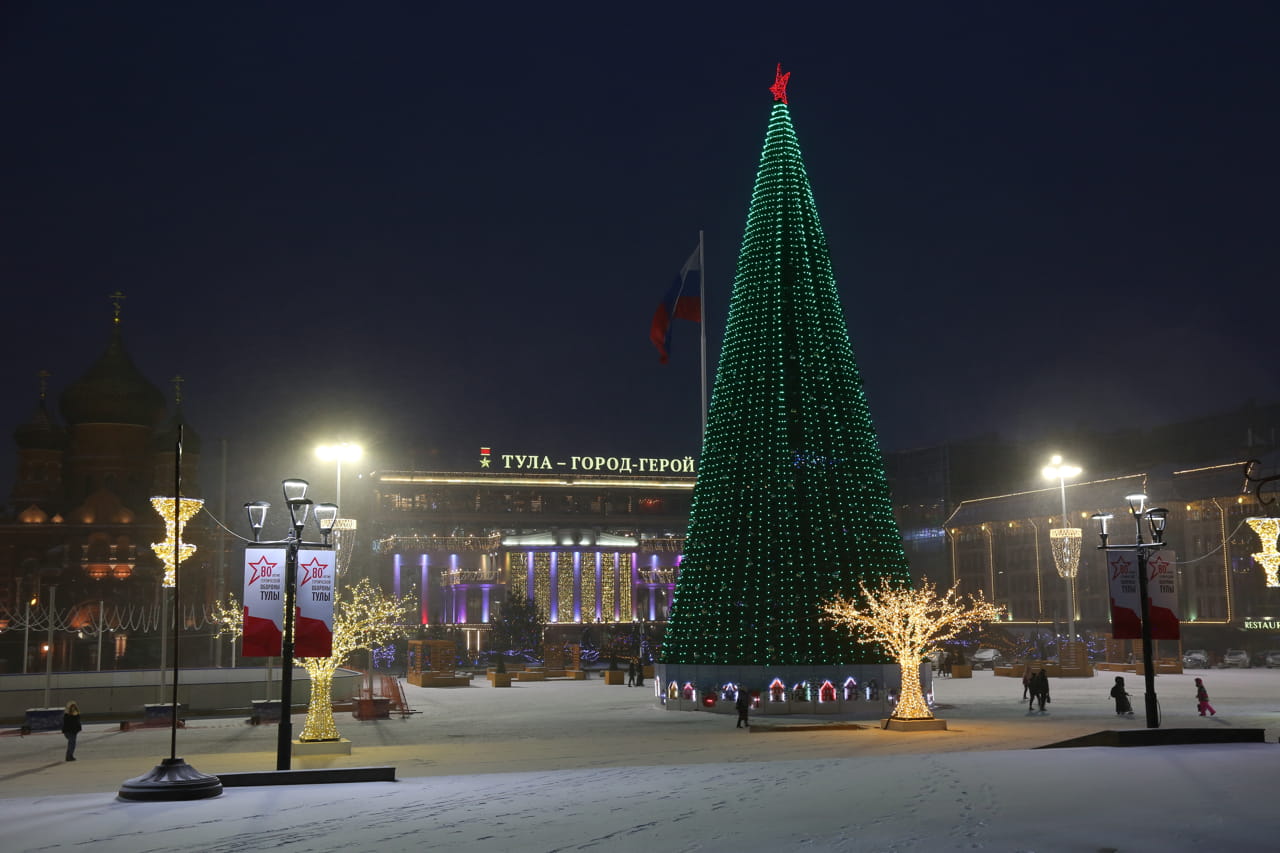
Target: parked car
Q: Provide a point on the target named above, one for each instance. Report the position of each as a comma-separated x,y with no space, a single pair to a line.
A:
986,659
1237,658
1195,659
1272,659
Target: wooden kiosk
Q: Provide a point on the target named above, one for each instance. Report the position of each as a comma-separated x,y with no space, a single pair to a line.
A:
431,664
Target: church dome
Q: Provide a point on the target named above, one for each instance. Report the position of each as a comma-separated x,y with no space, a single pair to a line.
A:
113,391
41,432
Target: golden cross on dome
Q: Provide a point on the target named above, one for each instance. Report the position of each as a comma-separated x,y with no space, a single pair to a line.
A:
43,376
116,299
779,87
177,389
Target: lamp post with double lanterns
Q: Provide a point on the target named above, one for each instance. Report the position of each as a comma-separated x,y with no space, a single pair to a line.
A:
1155,518
300,508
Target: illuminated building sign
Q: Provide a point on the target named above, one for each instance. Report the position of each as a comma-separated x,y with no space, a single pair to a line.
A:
1262,624
611,464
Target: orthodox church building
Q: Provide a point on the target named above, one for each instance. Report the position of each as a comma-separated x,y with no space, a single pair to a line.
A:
76,530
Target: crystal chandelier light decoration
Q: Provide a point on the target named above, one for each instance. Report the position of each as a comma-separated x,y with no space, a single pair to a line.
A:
1065,542
168,550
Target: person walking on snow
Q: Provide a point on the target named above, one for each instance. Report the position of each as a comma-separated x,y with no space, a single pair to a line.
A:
744,706
1026,680
1118,693
70,728
1039,690
1202,699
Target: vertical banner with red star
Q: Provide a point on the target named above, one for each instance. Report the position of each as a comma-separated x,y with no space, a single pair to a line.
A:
263,602
1162,587
313,630
1122,572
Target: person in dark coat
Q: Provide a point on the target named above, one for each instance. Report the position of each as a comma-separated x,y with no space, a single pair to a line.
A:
631,674
1118,693
70,728
639,672
1039,690
744,706
1202,699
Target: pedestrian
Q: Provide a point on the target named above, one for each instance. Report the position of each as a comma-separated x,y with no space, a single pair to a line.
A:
639,672
947,660
1039,691
631,673
744,706
1026,680
1202,699
1118,693
70,728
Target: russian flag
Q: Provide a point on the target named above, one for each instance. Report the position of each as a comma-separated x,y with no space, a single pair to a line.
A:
683,301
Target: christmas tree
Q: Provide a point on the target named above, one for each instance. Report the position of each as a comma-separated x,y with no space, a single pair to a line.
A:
792,506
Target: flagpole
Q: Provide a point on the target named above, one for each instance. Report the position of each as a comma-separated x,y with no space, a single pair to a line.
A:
702,303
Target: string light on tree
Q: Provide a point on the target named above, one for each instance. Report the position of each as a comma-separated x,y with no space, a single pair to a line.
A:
909,624
363,617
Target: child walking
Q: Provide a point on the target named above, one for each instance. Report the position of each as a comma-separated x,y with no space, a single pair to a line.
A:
1202,699
1118,693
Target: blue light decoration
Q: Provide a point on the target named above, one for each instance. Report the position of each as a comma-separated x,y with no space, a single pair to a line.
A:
384,656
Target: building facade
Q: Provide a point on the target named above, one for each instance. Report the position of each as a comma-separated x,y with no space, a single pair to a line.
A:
1001,546
588,547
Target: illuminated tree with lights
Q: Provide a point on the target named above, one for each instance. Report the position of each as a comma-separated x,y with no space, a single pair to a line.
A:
792,505
909,624
363,617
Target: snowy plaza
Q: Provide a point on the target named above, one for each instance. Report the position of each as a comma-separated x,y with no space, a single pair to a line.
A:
547,766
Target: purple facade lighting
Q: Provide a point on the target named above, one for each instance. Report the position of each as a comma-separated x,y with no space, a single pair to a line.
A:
425,563
577,586
397,562
553,605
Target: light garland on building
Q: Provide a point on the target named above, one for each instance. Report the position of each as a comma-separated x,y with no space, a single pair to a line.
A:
1268,530
185,510
542,580
909,624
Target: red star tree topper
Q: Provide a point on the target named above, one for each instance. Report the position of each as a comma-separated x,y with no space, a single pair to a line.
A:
779,87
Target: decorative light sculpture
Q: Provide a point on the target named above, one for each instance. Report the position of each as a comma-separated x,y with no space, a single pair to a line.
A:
363,617
184,509
1065,543
1268,530
909,624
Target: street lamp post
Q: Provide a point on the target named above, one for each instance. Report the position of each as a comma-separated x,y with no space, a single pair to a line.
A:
1156,518
300,508
1065,541
339,453
173,779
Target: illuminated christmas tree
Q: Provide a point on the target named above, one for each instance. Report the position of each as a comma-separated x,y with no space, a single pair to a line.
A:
909,624
792,506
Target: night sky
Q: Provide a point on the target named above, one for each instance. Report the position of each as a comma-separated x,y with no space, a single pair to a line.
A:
427,228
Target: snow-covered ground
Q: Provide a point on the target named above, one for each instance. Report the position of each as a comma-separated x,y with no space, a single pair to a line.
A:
579,765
